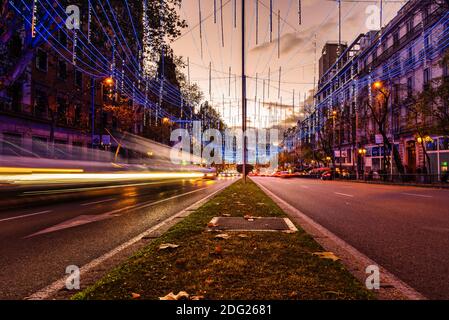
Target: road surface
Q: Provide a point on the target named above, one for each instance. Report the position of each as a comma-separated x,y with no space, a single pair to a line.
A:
39,242
404,229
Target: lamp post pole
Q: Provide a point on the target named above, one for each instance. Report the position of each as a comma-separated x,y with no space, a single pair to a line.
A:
92,105
243,93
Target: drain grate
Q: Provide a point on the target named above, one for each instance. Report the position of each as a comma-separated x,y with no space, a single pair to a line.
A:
255,224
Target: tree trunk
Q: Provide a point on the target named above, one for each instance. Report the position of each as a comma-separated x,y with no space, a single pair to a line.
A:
396,155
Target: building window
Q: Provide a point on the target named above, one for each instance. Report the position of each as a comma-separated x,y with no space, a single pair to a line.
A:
409,25
396,122
41,60
62,70
77,114
62,109
78,78
62,38
427,42
446,67
426,78
396,92
396,38
40,103
425,14
409,87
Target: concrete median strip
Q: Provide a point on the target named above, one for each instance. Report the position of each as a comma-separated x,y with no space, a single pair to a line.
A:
391,287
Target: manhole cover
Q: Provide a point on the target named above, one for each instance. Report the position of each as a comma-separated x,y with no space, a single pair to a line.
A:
254,224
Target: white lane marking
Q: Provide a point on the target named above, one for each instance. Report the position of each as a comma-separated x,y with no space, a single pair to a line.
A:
344,194
85,219
416,195
47,292
96,202
26,215
305,187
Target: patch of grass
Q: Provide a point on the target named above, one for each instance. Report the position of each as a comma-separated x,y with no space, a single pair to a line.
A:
262,266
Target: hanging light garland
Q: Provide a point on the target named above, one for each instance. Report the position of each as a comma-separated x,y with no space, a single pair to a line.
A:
34,19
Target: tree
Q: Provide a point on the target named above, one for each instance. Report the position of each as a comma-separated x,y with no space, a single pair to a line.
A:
377,101
210,118
164,25
190,91
326,141
429,111
12,23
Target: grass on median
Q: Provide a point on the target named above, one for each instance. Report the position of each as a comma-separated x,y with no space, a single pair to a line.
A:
263,265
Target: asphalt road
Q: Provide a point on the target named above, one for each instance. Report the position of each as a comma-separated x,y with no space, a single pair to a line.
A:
39,242
404,229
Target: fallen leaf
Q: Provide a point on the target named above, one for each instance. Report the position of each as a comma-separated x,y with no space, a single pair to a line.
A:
168,246
242,235
247,217
327,255
196,298
218,250
209,281
182,295
212,225
222,236
135,295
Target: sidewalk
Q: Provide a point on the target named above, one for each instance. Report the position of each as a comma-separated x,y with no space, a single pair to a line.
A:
192,261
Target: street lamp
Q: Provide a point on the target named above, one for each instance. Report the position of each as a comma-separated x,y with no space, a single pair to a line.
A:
362,154
378,85
109,81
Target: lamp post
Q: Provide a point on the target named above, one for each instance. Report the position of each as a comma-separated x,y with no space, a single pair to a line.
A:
362,154
109,81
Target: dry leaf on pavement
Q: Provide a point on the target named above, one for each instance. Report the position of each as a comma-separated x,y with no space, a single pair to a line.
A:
327,255
222,236
182,295
135,295
218,250
212,225
168,246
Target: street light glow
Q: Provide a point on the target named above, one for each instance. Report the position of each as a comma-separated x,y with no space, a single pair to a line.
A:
378,85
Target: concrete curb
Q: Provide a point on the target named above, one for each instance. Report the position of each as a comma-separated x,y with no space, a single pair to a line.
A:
392,288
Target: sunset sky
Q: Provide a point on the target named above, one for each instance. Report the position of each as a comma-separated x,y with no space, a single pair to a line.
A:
319,17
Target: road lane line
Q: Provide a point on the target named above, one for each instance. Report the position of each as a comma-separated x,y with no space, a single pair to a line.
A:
52,289
96,202
416,195
26,215
344,194
305,187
